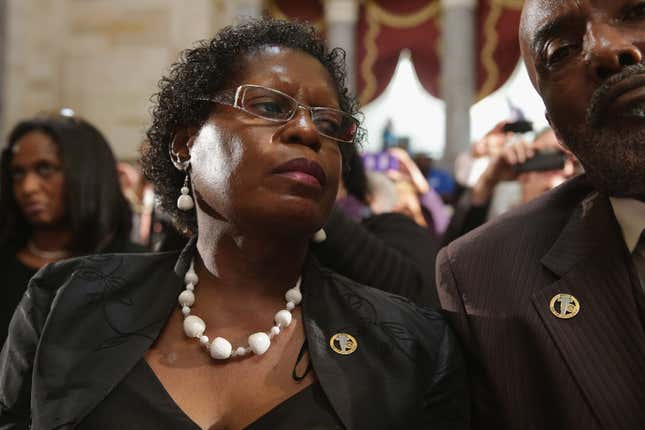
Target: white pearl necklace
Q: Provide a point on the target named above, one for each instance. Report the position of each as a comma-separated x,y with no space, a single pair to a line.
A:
220,348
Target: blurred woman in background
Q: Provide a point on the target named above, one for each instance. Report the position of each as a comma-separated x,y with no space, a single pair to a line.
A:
59,197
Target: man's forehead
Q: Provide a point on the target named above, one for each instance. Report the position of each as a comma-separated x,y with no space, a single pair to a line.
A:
536,13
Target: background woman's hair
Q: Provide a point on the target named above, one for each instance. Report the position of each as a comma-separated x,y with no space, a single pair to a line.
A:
96,210
200,73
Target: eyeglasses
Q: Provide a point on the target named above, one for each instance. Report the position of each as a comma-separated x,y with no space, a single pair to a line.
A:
276,106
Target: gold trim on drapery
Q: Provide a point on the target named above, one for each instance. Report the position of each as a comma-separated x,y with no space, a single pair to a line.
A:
274,11
375,16
491,39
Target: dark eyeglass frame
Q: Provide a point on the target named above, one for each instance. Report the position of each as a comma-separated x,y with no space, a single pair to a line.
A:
224,97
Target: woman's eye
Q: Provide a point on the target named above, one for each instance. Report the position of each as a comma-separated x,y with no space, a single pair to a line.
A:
636,12
17,175
268,107
45,169
327,126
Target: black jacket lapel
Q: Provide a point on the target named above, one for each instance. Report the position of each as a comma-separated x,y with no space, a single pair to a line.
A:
102,332
604,345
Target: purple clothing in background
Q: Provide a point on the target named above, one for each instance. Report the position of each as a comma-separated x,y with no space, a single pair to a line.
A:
433,203
354,208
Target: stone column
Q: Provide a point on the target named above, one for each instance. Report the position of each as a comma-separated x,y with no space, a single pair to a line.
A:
341,17
457,74
3,62
245,9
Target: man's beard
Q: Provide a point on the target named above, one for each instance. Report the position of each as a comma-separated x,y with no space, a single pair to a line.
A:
612,153
614,159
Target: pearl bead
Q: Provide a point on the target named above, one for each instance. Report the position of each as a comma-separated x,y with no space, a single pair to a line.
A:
184,190
191,278
240,351
185,202
203,340
275,330
186,298
293,295
283,318
190,287
220,348
290,306
185,310
259,343
194,326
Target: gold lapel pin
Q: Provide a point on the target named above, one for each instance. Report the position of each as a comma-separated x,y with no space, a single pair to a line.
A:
564,306
343,343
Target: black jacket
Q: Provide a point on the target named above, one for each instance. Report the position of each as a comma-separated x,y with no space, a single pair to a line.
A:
387,251
84,323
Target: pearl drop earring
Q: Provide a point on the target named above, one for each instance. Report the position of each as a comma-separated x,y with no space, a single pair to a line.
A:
185,201
320,236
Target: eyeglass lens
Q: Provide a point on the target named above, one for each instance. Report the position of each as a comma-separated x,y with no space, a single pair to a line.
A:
272,105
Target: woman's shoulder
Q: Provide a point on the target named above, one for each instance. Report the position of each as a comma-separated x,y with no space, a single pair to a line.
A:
385,309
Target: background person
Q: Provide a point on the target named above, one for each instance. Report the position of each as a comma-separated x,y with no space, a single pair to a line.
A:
59,198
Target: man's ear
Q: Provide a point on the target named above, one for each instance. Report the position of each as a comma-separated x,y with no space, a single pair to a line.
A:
182,142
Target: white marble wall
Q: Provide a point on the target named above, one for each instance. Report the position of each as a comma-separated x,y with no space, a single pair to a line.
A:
101,58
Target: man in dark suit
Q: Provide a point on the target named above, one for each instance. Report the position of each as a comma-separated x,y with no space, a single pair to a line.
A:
548,300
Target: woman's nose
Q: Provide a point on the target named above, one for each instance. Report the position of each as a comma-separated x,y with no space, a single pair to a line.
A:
301,130
29,184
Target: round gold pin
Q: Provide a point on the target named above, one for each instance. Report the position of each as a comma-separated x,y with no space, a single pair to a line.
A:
564,306
343,343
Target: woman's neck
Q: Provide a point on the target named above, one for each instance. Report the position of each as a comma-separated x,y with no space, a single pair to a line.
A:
260,263
51,238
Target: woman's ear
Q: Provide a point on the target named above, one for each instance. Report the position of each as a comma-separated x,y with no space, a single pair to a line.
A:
180,146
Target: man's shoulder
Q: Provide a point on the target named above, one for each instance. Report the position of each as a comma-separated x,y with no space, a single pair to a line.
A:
533,226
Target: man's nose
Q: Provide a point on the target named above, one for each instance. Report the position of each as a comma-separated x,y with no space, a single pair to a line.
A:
610,50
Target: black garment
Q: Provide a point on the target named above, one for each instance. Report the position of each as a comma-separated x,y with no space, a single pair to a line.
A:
15,277
465,218
142,391
104,312
388,251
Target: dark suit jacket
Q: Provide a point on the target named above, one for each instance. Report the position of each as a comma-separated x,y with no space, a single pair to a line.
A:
530,369
84,323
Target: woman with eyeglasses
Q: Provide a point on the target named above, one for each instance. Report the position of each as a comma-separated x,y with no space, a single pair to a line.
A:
59,198
243,328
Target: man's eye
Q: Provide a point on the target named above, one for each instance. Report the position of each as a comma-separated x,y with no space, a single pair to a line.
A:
559,54
636,12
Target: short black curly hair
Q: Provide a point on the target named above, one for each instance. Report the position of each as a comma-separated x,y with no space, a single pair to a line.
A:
206,69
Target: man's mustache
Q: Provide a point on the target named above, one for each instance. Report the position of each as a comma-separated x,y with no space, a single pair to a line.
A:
603,94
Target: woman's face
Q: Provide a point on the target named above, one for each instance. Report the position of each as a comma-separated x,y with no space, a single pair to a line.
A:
38,180
256,174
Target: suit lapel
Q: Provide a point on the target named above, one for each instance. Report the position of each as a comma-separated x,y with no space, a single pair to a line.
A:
108,314
604,345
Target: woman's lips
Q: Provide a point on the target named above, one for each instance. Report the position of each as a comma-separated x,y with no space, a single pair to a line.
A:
304,171
33,209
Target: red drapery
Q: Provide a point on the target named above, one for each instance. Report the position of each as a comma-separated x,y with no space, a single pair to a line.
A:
385,27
